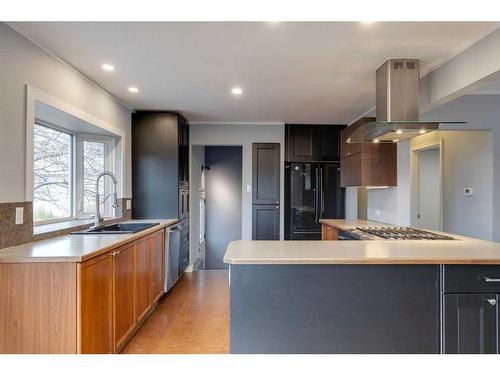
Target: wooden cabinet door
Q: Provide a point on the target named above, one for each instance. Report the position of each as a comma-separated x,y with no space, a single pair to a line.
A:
329,233
95,300
350,171
143,280
266,168
124,284
470,323
327,142
299,143
158,265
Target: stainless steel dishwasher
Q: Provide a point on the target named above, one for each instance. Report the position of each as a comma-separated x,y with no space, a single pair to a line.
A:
172,256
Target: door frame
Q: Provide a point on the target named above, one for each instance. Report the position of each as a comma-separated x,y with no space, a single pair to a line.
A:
414,179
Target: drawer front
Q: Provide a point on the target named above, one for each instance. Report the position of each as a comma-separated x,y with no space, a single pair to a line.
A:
472,279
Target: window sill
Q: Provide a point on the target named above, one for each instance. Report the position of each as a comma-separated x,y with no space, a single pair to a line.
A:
68,226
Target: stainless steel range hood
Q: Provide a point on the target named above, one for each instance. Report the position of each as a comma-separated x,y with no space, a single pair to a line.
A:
397,105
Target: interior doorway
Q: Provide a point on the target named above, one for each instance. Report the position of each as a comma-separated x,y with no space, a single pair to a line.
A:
223,202
427,187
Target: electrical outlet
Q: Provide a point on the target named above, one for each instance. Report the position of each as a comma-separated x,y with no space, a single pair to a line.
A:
129,204
19,215
377,212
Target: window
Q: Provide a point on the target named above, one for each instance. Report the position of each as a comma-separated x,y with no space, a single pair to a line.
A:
52,174
66,166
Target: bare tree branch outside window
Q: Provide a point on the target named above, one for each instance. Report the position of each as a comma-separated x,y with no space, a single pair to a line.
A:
93,165
52,174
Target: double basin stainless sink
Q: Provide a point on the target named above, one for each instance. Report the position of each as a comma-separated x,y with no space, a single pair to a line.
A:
118,228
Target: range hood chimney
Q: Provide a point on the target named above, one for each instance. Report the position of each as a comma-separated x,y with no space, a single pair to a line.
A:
397,105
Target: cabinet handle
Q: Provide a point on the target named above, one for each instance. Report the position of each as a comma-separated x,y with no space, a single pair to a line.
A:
490,280
492,301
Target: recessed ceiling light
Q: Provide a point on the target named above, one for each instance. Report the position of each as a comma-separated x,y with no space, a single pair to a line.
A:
422,131
376,141
399,131
367,22
108,67
133,89
236,91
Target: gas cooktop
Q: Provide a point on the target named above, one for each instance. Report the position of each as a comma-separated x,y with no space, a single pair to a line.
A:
399,233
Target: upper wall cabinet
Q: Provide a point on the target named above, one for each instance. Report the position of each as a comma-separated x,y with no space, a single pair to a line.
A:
367,164
307,143
160,163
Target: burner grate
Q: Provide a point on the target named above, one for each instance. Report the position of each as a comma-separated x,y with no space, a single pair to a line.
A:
403,233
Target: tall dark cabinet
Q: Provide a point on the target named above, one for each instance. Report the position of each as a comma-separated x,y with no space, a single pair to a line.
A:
160,171
266,168
312,179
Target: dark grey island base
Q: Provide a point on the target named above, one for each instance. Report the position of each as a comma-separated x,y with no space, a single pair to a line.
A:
335,309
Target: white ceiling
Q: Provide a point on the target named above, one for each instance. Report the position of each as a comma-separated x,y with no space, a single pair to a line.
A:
290,72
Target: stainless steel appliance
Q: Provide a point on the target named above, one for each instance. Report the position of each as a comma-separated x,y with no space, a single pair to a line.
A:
391,233
397,105
314,194
172,244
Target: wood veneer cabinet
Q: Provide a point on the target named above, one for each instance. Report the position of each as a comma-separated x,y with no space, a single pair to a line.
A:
94,306
329,233
367,164
158,266
124,289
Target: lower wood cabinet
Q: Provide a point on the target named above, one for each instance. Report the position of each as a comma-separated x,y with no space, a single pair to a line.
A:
117,290
144,281
95,291
329,233
124,289
158,266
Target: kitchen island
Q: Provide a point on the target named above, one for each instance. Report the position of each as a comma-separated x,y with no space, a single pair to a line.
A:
378,296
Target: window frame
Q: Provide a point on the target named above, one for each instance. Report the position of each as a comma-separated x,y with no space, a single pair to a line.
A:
76,172
109,163
117,127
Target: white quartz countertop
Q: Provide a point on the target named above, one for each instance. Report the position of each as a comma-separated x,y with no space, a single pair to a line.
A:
462,250
75,248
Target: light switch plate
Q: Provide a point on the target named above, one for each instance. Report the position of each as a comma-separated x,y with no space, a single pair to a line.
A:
468,191
377,212
129,204
19,215
249,188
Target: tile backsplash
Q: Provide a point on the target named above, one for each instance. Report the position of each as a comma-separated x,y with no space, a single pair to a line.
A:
12,234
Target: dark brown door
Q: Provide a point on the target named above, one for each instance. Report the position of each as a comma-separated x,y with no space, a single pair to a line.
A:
266,173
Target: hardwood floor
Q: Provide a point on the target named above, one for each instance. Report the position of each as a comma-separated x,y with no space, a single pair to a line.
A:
192,319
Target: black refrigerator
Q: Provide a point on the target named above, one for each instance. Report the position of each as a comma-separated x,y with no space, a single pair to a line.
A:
312,192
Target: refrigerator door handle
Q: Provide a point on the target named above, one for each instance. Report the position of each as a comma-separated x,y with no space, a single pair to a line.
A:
316,195
320,194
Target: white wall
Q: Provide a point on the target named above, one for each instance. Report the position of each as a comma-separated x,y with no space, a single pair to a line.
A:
467,162
22,63
482,112
243,135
